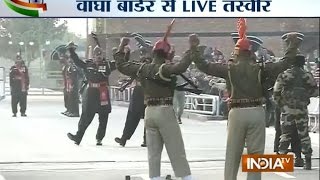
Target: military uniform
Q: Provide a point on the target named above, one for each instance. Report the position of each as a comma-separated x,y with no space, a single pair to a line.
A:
65,94
158,82
135,114
295,140
246,122
73,90
292,92
95,97
19,85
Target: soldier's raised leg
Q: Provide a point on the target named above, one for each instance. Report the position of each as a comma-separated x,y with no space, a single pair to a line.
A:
85,120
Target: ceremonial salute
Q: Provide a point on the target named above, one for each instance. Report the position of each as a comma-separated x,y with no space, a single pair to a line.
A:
19,85
246,122
95,98
292,92
158,82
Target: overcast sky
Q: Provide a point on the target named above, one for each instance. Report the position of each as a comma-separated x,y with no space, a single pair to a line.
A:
78,25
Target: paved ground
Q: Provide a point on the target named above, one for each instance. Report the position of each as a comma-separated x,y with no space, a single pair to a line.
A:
37,148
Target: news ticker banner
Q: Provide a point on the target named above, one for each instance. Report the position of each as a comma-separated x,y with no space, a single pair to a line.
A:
159,8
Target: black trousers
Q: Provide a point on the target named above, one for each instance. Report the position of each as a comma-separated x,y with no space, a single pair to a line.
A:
86,119
21,99
135,113
295,140
65,99
73,102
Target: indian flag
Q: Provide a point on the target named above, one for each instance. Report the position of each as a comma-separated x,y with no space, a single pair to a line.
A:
27,7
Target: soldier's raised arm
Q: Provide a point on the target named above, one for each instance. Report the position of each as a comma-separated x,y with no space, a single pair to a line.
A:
122,62
182,66
293,41
210,68
74,56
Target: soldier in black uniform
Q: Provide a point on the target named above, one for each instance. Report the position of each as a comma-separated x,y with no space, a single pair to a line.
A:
65,66
96,98
73,89
137,106
19,85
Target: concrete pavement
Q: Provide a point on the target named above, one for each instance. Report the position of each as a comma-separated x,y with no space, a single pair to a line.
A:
37,146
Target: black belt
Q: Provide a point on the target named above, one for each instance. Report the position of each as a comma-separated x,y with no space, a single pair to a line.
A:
159,101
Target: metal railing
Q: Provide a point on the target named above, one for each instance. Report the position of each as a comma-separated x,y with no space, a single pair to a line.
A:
116,95
203,104
2,83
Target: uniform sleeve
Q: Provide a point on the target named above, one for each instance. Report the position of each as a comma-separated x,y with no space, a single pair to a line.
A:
129,68
312,87
181,66
277,89
211,68
274,69
77,61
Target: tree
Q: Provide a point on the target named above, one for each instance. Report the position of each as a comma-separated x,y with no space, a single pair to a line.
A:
29,30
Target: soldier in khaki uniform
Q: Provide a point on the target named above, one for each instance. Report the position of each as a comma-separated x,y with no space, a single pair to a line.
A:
158,81
246,117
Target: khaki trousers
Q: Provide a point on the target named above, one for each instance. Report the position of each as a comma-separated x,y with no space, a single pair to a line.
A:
245,125
163,128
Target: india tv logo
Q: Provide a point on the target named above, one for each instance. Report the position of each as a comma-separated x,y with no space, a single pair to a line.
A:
30,8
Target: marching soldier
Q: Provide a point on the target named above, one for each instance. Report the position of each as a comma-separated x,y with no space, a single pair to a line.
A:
137,106
96,98
134,115
292,92
19,85
246,121
158,82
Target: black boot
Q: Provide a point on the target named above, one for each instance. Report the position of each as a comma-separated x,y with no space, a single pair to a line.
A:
307,165
74,138
121,141
298,162
144,144
14,115
99,143
23,115
179,120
